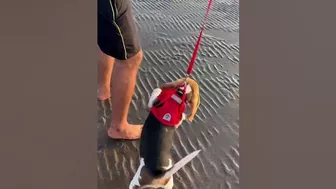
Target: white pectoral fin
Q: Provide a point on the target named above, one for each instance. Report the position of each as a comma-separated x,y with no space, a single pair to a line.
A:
183,119
181,163
173,170
170,183
156,92
136,179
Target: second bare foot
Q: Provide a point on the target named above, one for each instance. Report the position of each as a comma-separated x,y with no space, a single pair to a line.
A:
103,93
128,132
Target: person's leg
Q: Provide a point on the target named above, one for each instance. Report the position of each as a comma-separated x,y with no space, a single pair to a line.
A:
105,67
121,52
123,84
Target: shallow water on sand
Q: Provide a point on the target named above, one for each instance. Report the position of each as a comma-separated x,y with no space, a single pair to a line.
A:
168,30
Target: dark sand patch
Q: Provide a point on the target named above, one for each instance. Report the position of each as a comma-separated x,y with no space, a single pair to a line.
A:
168,31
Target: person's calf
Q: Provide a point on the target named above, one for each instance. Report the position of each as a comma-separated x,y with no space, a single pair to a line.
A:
105,67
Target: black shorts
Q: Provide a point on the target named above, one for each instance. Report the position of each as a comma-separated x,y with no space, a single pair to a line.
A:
155,146
117,30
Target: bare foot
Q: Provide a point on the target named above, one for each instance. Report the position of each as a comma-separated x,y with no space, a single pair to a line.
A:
129,132
104,93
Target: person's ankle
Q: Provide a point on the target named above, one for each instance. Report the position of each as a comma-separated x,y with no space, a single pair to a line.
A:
119,125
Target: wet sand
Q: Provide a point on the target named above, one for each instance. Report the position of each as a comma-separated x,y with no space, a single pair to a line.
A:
168,30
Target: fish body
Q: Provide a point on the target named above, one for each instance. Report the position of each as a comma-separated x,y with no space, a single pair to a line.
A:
156,167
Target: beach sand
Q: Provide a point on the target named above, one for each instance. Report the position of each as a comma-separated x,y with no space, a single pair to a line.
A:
169,30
